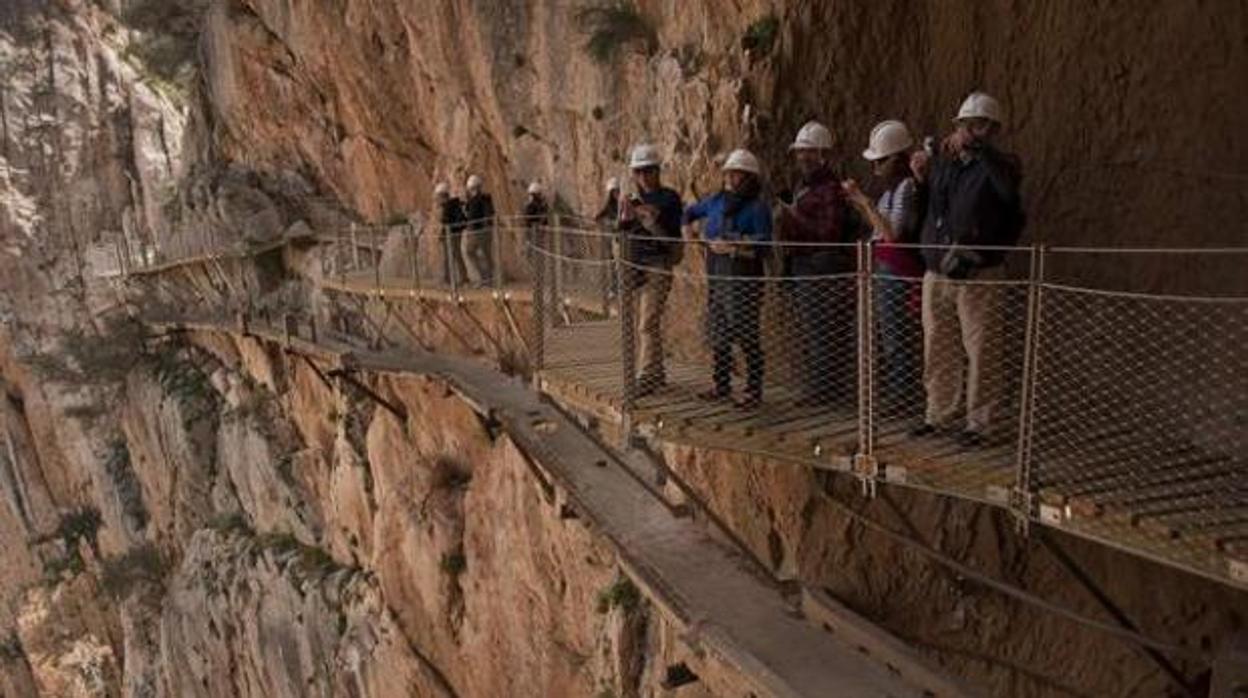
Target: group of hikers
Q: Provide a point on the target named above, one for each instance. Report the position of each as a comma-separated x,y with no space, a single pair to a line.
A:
942,212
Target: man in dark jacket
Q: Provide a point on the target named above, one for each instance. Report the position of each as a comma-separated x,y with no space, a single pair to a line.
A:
821,262
452,218
536,219
973,199
478,243
651,217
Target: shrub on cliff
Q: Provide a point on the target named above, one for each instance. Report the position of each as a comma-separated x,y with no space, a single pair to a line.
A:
612,26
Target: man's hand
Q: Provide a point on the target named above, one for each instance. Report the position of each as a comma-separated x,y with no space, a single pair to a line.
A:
956,142
854,193
721,247
647,214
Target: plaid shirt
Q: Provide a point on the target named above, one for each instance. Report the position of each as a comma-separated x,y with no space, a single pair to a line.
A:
820,212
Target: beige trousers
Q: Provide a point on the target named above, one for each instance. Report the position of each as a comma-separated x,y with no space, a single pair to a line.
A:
652,301
962,346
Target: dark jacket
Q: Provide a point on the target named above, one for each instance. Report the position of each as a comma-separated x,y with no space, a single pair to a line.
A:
651,252
610,208
479,210
453,219
973,202
536,212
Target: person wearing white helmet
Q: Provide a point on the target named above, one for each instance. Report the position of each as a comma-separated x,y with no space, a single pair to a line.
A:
606,217
451,214
895,219
478,238
536,216
822,223
651,217
610,210
973,200
737,226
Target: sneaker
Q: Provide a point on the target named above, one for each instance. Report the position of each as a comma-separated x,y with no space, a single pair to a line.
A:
924,429
970,439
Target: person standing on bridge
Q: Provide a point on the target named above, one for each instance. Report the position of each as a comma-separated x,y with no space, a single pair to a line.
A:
737,221
973,200
651,216
895,219
451,214
607,216
536,219
478,248
821,265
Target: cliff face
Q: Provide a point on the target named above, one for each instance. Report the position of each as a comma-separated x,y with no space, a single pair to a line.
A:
205,518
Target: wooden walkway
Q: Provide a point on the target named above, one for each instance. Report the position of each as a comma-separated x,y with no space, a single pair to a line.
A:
704,586
583,366
1129,504
1165,502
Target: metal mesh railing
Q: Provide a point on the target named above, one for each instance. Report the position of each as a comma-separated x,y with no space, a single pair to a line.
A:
1101,391
1139,430
1119,415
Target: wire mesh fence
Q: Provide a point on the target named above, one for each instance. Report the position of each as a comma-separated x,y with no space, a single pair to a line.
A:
947,363
1140,424
1101,391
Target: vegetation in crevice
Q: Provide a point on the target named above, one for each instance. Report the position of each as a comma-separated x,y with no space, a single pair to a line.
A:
613,26
123,575
760,36
621,594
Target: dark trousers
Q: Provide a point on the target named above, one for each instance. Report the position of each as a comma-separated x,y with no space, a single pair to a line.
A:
826,333
453,262
900,339
734,298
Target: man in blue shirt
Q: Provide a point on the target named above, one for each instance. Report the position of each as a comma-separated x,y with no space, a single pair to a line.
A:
652,218
737,220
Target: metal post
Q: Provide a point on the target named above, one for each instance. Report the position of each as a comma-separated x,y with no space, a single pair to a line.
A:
558,262
495,242
355,250
628,337
1020,502
538,255
374,255
865,466
414,248
608,268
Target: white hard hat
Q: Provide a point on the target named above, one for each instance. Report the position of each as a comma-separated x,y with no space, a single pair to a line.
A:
742,161
441,189
644,155
474,181
613,184
980,106
812,136
535,187
888,138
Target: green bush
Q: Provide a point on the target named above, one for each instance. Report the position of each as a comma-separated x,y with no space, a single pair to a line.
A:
612,26
761,35
79,525
121,576
622,594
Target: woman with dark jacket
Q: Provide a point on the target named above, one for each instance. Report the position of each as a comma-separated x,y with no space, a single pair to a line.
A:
735,218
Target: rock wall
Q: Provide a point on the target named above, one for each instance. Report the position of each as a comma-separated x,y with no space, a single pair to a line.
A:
148,487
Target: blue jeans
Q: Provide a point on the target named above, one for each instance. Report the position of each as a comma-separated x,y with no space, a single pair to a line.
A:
900,340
